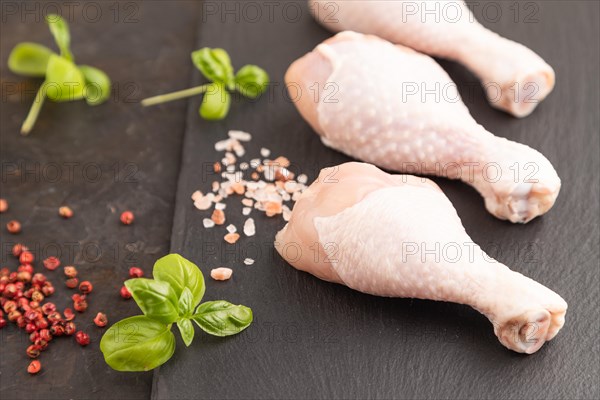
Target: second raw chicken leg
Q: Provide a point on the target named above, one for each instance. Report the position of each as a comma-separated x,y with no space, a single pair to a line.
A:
397,108
514,77
399,236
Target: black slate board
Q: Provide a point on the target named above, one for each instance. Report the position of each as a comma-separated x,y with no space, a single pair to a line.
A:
312,339
100,161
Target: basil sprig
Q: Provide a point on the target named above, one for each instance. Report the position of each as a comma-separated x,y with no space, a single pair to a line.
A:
144,342
215,64
64,81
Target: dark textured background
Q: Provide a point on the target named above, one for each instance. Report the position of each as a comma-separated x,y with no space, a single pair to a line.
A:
310,339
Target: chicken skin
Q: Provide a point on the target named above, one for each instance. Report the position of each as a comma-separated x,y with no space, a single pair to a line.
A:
397,108
399,236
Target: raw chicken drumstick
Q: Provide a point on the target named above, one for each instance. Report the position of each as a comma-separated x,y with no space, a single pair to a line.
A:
372,105
514,77
374,232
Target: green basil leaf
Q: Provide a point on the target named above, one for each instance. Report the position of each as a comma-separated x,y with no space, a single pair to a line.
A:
137,344
64,81
156,299
214,64
251,81
221,318
186,303
216,102
180,273
97,85
60,30
29,59
187,330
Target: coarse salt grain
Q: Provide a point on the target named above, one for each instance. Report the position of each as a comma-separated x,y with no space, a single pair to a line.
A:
222,145
239,150
248,261
240,135
220,206
231,238
265,152
272,208
249,227
244,166
246,211
208,223
290,186
221,274
218,216
231,228
197,195
302,179
238,188
205,202
282,162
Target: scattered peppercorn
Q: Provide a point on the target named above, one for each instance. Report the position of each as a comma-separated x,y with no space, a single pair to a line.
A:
70,328
3,205
54,317
57,330
125,293
44,334
48,308
78,297
42,343
9,306
13,227
24,276
2,322
69,314
26,257
14,315
127,217
18,249
70,271
135,272
86,287
34,367
33,351
38,279
51,263
65,212
72,283
37,296
30,327
80,306
101,320
82,338
47,289
41,323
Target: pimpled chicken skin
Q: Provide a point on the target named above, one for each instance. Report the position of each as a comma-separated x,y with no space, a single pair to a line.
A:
374,233
516,79
377,109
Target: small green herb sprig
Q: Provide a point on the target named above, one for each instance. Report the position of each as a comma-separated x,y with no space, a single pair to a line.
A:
251,81
64,81
144,342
